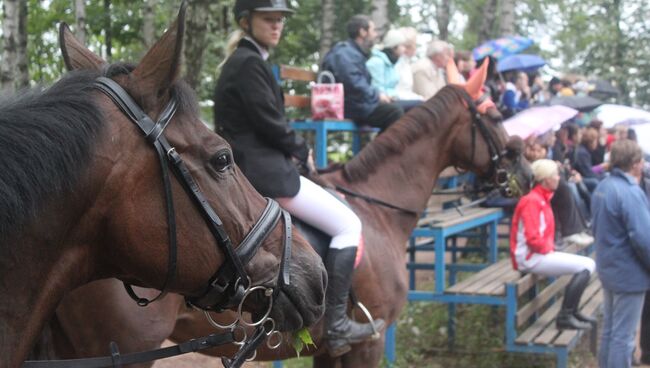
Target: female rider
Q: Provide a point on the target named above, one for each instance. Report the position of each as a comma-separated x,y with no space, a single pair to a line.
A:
249,110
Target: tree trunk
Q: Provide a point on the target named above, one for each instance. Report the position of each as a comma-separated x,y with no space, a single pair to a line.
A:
195,40
507,18
108,31
80,19
620,63
443,12
148,23
327,27
379,16
22,68
10,9
487,24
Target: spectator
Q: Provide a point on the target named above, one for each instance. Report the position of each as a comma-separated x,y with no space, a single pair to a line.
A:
381,67
429,72
566,89
581,160
554,87
598,154
517,94
532,246
465,63
644,342
621,218
404,66
347,61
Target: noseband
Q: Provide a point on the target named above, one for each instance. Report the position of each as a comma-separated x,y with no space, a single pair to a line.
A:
501,178
230,284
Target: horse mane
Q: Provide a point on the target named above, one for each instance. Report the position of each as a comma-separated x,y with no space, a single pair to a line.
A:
46,140
421,120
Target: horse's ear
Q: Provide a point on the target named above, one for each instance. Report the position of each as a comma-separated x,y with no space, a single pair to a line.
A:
474,85
453,75
75,55
160,68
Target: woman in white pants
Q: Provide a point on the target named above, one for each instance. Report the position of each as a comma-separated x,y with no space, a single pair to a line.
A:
532,245
249,112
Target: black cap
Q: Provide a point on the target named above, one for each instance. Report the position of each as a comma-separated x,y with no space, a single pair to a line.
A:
243,7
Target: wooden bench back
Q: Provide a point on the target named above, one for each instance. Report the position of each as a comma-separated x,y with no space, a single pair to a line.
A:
291,73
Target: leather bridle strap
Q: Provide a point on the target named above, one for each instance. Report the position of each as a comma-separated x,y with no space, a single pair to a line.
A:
117,359
153,133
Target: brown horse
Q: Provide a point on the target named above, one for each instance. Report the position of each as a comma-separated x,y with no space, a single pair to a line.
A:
399,167
81,198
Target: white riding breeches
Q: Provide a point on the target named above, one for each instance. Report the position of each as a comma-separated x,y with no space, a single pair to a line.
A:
320,209
557,264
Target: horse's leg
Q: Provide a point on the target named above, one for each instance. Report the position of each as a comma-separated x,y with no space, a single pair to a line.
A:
365,355
325,361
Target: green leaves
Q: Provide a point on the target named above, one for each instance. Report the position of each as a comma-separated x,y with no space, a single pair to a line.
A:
301,339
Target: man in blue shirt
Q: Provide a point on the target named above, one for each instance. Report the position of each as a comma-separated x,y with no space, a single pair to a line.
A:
621,223
363,103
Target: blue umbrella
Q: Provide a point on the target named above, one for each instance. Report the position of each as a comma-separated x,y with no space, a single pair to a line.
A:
502,47
523,62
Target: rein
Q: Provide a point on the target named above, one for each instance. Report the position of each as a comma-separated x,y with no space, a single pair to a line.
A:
375,201
230,285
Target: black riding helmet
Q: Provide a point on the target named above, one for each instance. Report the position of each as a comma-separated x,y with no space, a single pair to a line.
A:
243,8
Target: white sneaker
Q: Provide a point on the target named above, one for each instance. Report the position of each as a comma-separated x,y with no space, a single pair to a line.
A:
580,239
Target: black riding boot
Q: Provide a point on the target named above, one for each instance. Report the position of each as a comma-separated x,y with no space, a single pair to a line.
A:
569,318
341,330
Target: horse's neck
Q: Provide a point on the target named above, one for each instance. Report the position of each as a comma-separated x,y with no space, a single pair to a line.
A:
405,180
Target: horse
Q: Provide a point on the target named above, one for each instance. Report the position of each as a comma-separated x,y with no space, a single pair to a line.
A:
398,168
81,199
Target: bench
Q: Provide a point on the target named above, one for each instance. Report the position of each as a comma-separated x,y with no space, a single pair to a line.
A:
320,128
531,305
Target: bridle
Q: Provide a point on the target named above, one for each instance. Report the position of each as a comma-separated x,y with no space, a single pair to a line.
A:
230,285
501,179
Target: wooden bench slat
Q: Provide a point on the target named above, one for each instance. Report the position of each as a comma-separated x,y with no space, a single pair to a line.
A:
488,273
540,300
500,289
297,74
453,217
297,101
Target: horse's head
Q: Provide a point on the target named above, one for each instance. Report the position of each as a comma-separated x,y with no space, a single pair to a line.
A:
201,231
480,141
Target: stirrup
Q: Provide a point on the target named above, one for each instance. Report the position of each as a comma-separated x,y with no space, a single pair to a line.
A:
375,334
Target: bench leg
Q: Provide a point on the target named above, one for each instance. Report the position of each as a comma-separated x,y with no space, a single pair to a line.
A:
412,262
593,340
389,346
277,364
562,359
451,326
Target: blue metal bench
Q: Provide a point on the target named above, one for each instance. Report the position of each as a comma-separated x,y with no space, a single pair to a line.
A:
531,305
320,128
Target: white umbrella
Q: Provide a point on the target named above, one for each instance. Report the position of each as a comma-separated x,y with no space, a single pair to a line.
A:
538,120
612,115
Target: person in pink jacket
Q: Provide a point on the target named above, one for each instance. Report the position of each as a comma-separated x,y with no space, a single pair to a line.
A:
532,245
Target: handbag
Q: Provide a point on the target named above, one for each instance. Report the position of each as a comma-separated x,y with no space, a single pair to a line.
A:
326,98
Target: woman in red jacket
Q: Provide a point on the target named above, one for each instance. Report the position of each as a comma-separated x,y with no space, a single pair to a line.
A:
532,245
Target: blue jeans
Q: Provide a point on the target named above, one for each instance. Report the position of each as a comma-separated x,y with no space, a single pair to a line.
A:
621,316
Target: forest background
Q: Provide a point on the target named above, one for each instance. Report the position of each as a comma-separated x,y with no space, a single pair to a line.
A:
607,39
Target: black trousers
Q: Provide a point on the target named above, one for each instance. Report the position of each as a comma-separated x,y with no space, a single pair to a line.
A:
382,116
567,216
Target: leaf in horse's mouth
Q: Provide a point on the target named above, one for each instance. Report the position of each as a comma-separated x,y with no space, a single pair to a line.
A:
301,339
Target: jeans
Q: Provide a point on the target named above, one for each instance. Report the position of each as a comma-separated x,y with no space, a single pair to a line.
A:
621,316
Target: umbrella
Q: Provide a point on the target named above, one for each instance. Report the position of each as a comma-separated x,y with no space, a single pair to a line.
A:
538,120
611,115
501,47
580,103
602,88
524,62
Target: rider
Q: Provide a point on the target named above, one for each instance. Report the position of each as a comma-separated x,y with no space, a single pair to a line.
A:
249,110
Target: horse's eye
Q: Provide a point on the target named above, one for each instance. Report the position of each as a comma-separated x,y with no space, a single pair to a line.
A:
221,161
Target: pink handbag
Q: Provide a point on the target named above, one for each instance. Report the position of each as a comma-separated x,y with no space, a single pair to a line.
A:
326,98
